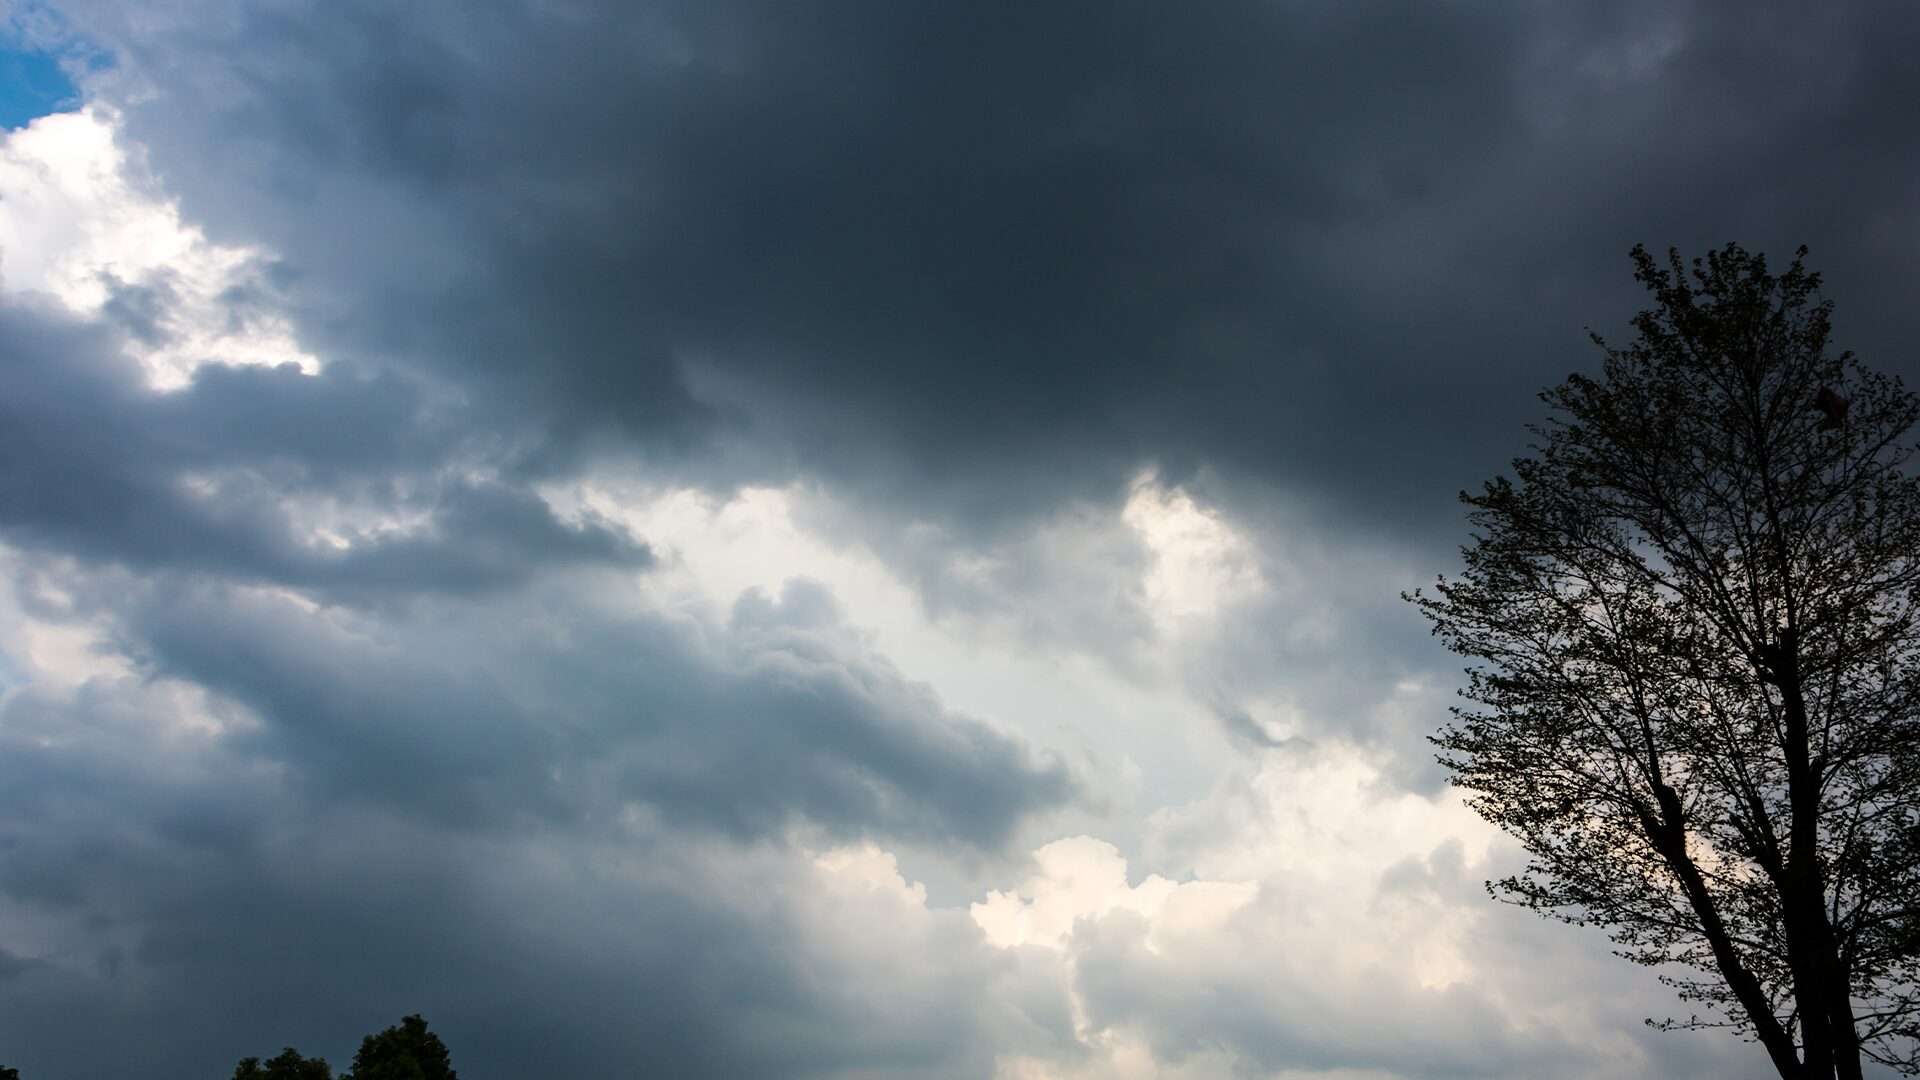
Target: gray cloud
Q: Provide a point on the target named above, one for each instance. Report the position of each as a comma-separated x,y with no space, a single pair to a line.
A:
94,464
590,951
973,261
465,686
551,707
418,812
962,270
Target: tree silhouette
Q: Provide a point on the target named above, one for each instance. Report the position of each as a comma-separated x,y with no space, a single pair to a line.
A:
407,1051
1693,623
288,1066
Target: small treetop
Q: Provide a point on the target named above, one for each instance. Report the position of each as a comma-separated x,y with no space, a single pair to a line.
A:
288,1066
407,1051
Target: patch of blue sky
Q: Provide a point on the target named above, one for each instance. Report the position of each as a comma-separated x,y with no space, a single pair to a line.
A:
39,56
32,84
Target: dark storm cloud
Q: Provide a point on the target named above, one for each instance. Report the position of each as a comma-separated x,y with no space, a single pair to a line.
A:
967,264
549,709
467,712
552,827
94,464
202,886
609,950
970,258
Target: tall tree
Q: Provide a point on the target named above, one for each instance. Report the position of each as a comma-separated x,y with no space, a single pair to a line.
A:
1693,622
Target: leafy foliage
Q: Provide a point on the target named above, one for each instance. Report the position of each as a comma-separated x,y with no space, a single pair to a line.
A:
407,1051
1693,618
288,1066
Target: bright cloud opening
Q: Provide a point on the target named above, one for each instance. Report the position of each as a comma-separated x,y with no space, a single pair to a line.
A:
1201,563
82,222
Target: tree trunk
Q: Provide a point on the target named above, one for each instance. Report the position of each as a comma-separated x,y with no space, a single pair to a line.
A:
1668,834
1819,979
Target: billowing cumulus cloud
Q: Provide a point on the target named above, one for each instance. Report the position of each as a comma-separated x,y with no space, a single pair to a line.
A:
739,539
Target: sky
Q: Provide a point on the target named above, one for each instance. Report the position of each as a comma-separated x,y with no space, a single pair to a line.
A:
832,540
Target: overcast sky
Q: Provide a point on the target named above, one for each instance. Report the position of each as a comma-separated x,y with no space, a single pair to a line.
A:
762,539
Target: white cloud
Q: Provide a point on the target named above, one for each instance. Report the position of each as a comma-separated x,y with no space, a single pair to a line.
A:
1201,562
1323,925
1325,833
82,221
1063,690
1080,877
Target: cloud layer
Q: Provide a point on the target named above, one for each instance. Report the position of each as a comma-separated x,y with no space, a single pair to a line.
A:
851,540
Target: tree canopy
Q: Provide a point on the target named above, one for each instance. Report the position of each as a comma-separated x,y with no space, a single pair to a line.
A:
1693,622
406,1051
289,1065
